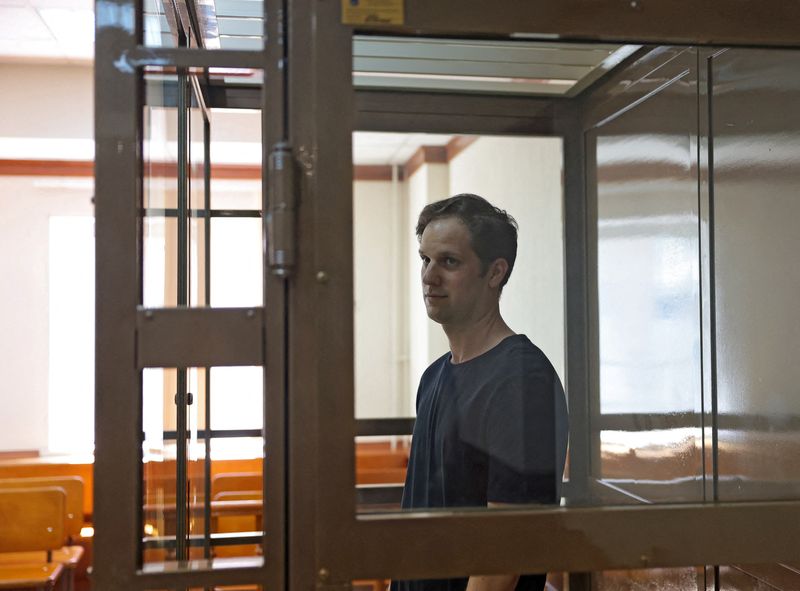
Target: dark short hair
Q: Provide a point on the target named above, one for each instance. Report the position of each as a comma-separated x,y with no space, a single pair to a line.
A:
492,231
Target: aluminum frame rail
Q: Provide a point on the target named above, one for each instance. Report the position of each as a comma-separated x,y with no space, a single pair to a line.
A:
772,23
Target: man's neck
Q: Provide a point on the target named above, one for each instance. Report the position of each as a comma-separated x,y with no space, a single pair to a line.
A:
471,341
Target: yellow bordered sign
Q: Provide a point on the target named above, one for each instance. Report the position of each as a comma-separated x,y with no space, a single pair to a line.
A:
372,12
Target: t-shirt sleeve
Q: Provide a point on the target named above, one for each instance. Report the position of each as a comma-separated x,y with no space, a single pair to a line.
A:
521,440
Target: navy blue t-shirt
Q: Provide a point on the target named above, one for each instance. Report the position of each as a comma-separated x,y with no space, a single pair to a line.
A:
491,429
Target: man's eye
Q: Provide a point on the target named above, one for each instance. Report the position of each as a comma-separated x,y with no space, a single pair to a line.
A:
450,262
425,260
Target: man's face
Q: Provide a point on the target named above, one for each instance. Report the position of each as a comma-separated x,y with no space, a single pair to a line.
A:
456,293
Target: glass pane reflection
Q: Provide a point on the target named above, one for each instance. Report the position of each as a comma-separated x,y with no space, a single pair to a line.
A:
647,422
757,277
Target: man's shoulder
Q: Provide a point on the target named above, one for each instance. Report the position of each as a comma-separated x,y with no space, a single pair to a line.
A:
520,351
435,367
523,361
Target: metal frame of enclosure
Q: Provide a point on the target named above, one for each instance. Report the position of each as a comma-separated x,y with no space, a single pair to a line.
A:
303,333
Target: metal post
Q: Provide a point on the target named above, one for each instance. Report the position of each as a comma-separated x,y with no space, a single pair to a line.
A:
207,288
577,322
576,296
181,492
118,238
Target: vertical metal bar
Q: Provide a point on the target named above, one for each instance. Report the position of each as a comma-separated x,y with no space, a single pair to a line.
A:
576,296
207,299
324,119
713,299
302,542
712,286
118,200
707,303
274,129
710,325
592,308
700,162
704,86
576,302
181,496
117,507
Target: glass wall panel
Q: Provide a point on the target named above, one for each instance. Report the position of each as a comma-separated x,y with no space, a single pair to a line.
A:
167,191
162,469
160,143
236,153
758,577
396,175
227,25
193,255
203,427
237,402
647,415
157,29
236,259
756,207
229,476
667,579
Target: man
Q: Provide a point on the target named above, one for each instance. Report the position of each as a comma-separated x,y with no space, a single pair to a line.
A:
491,426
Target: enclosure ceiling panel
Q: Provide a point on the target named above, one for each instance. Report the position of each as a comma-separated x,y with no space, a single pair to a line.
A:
240,8
415,63
249,27
523,52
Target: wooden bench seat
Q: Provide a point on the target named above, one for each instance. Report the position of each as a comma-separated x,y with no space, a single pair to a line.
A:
33,522
69,554
30,576
73,489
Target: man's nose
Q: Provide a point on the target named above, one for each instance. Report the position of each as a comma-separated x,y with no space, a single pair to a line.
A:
430,276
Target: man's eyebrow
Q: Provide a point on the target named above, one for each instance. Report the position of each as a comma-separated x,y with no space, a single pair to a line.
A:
443,254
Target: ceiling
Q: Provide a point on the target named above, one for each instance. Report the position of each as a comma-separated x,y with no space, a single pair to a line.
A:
63,30
47,30
518,66
392,148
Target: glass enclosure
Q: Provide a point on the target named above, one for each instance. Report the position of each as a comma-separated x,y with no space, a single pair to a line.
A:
630,172
685,286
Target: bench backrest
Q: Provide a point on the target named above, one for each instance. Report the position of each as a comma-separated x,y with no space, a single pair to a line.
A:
32,519
235,481
73,487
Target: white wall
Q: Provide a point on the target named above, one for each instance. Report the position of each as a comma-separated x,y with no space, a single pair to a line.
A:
53,103
47,113
26,205
426,340
523,176
378,297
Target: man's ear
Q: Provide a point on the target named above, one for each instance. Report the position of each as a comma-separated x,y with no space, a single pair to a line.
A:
497,272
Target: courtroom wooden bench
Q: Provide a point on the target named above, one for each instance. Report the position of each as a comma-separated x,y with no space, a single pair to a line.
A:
33,521
70,553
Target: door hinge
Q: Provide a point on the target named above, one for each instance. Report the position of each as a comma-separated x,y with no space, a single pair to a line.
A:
281,233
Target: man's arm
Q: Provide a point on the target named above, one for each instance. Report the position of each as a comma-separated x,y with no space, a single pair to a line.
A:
493,582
